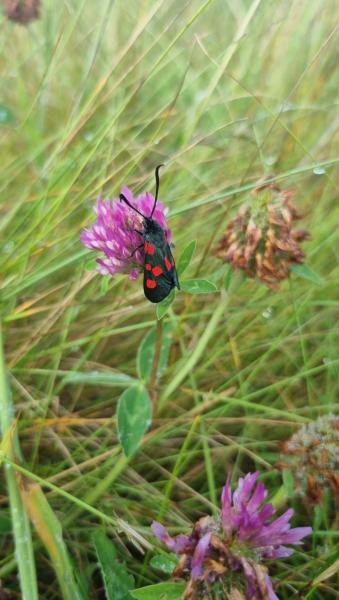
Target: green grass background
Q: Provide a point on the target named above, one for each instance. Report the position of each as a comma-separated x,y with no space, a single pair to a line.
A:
93,96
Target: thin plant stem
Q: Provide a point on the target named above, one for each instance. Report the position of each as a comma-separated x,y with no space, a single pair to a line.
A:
153,388
20,522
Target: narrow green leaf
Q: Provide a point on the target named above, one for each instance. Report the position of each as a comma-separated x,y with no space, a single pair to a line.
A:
50,532
163,306
134,414
164,562
97,378
198,286
161,591
6,116
21,529
307,273
186,257
147,349
118,582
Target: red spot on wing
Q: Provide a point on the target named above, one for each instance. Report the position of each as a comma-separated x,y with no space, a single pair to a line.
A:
157,271
148,267
168,264
150,283
149,248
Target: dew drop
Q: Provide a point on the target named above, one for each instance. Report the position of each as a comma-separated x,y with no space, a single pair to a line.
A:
319,171
267,313
286,106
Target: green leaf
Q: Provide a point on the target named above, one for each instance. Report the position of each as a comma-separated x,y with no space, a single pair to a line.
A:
7,117
198,286
186,257
134,414
307,273
163,306
147,349
118,582
98,378
164,562
161,591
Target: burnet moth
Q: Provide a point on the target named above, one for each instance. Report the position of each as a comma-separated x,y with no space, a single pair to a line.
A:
160,275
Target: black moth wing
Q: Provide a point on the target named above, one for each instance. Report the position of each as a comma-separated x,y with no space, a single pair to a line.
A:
160,275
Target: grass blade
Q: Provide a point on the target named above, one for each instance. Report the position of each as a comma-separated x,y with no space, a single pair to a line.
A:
49,530
20,523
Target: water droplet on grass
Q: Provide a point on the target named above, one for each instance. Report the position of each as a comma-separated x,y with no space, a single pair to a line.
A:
319,171
267,313
286,106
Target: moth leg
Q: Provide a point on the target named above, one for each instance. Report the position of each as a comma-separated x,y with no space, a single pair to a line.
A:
139,232
135,249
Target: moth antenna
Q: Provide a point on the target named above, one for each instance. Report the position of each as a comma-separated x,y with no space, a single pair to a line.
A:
157,184
124,199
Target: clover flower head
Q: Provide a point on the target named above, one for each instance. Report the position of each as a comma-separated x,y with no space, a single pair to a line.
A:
229,552
115,233
262,240
312,455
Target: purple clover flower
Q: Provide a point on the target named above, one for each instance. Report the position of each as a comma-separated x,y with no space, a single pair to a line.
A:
245,535
113,234
251,522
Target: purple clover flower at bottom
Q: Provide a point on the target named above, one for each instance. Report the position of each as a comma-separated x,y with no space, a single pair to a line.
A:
114,233
229,552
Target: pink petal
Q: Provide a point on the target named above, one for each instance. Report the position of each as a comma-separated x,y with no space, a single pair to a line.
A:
200,555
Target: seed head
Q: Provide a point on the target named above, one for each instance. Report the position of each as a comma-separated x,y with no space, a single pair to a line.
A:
312,454
261,239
